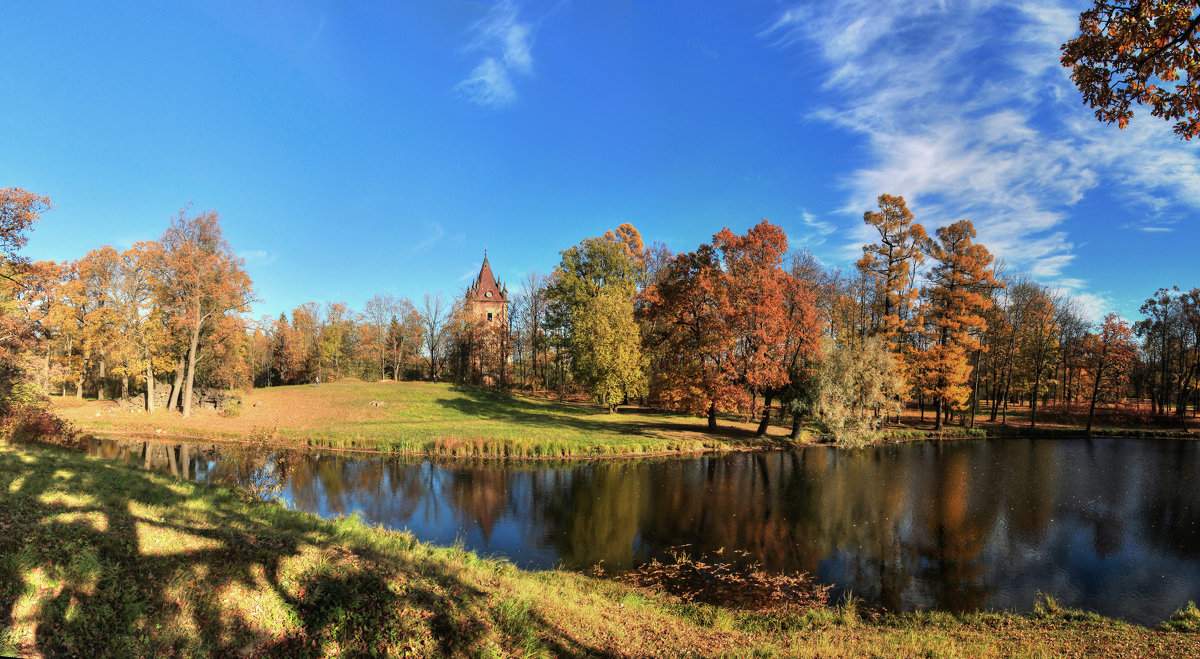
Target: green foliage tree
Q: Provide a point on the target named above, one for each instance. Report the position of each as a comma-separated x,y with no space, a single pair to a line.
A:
608,355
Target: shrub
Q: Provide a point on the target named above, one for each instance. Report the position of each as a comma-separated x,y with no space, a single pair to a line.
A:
32,422
232,409
1186,619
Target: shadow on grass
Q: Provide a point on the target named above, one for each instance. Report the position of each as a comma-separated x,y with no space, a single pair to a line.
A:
504,407
99,559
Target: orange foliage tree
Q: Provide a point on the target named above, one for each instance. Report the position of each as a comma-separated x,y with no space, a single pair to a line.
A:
202,280
686,308
957,297
721,324
890,265
1109,355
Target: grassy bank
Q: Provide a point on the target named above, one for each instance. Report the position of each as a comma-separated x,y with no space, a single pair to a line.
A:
426,418
99,558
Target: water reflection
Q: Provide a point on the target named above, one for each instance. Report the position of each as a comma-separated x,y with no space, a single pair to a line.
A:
1108,525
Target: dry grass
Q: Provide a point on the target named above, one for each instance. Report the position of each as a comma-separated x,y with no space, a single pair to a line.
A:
426,418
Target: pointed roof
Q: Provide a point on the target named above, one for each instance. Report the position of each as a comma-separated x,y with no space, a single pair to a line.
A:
485,282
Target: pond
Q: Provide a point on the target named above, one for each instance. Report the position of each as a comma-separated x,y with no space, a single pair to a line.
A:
1107,525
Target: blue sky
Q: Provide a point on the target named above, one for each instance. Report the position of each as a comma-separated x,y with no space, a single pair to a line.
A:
369,147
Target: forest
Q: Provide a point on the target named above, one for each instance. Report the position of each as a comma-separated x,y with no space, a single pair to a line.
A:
927,327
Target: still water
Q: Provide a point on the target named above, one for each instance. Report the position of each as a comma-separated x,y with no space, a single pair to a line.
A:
1107,525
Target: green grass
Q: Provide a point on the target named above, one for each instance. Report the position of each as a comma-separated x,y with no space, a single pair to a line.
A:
431,419
100,559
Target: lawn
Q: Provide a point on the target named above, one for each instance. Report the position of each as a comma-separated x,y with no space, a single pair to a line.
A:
100,559
428,418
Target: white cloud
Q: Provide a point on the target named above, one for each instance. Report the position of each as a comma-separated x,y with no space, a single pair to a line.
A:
506,46
965,110
815,230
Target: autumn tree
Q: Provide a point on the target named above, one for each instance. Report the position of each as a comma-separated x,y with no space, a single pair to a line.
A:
19,211
890,266
687,308
755,306
202,278
856,389
803,350
404,336
607,267
1039,344
1160,318
133,298
957,297
1139,51
609,359
1110,354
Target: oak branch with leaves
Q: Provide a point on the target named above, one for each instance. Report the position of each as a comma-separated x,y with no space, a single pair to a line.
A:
1139,51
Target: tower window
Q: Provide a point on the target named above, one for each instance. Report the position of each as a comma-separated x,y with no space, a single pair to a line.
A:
489,317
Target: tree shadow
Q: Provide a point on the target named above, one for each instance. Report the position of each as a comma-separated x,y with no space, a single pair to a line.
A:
496,405
98,558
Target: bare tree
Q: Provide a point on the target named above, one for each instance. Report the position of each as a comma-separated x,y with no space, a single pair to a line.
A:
379,312
433,325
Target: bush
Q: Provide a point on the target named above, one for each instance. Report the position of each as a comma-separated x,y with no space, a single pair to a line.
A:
232,409
1186,620
32,422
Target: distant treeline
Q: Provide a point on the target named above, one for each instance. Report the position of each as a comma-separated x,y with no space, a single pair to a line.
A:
739,325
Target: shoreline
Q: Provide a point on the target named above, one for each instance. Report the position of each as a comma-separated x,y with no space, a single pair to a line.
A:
202,569
929,436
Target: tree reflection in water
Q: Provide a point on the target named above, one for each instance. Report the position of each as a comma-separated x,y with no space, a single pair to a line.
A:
1108,525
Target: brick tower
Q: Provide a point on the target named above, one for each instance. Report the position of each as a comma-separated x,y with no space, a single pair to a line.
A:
487,297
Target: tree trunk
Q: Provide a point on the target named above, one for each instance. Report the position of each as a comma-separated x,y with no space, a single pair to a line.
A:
125,386
83,368
938,414
176,386
712,416
1037,382
191,366
766,419
46,370
975,390
149,383
1092,408
797,426
102,379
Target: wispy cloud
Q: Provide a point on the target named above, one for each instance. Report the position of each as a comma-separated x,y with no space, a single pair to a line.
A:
505,43
258,257
965,111
815,230
436,233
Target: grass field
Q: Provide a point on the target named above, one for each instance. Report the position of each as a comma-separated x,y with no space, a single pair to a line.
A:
435,419
100,559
